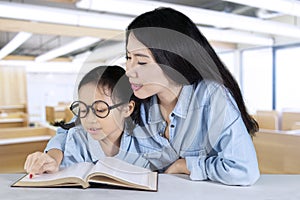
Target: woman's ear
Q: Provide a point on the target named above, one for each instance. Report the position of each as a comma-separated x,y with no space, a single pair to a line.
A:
128,110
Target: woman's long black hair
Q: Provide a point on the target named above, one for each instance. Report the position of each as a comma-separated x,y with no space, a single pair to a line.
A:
114,79
184,53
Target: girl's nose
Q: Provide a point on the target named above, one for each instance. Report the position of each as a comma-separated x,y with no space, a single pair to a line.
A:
91,117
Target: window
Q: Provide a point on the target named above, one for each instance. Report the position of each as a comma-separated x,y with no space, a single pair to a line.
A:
287,77
230,60
257,79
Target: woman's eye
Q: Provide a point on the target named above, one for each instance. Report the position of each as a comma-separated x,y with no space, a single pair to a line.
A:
127,57
142,63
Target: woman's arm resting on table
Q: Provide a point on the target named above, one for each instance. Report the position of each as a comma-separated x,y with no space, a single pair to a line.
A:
178,167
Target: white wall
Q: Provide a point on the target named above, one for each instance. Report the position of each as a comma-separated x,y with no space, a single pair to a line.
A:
48,84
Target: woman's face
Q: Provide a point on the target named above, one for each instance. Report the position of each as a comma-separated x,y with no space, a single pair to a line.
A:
145,75
110,127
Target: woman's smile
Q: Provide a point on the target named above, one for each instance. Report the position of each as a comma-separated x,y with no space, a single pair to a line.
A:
136,87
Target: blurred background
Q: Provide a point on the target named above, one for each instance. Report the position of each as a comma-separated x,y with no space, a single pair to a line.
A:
44,44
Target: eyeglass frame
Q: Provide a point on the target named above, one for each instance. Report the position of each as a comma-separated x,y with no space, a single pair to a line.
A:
93,110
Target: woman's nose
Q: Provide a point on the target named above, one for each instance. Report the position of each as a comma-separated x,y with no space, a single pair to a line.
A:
128,65
130,71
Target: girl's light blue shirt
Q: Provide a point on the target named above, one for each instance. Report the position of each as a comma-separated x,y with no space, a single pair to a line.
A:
78,146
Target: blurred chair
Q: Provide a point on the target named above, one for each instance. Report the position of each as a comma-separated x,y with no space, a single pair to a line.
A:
68,115
288,120
58,113
278,152
296,126
50,114
267,119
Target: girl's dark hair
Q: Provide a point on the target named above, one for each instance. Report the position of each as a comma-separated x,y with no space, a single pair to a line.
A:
114,79
184,54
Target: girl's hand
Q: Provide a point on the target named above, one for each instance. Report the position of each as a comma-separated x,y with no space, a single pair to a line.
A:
178,167
38,163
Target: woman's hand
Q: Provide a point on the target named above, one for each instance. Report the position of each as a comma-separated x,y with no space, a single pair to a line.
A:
178,167
38,162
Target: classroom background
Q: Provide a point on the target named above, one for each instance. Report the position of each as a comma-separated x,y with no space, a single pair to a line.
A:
45,45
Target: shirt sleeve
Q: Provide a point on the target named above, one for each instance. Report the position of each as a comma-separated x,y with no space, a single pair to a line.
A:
129,152
76,147
59,140
231,157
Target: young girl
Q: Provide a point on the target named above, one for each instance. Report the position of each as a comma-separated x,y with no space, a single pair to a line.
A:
103,126
193,110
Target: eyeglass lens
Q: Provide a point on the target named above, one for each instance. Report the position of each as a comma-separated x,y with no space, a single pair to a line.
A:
99,108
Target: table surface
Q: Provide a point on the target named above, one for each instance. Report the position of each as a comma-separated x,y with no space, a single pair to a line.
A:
173,187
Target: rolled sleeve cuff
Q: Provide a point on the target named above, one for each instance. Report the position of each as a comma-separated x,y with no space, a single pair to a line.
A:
196,167
56,142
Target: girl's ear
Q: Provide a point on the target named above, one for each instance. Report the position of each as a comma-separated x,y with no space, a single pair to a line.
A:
128,110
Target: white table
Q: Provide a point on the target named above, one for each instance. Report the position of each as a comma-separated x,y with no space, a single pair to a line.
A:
170,187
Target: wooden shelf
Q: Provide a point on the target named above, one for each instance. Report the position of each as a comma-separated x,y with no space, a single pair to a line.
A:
17,143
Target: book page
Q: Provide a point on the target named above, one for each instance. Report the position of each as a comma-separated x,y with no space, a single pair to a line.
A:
123,171
79,170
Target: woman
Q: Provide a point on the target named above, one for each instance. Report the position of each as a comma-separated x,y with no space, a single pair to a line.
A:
193,118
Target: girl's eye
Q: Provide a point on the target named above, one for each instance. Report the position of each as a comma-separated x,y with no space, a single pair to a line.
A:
101,110
127,57
82,111
142,63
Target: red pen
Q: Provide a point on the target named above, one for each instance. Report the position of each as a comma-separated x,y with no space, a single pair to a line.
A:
30,176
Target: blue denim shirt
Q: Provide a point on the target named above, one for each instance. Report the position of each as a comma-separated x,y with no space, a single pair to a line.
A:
207,130
78,146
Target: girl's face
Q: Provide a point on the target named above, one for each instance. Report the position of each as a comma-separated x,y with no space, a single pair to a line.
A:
145,75
110,127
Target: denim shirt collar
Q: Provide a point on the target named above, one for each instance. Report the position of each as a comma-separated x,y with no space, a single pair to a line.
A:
184,99
181,108
154,114
94,148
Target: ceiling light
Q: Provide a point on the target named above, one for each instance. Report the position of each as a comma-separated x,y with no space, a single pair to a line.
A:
198,15
235,37
17,41
65,49
87,19
289,7
32,66
132,8
62,16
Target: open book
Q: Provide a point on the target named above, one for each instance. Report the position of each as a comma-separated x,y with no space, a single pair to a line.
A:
108,170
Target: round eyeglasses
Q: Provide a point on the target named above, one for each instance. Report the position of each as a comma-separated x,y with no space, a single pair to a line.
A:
100,108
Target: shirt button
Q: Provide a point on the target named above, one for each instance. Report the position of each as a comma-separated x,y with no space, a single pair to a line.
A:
172,126
172,115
